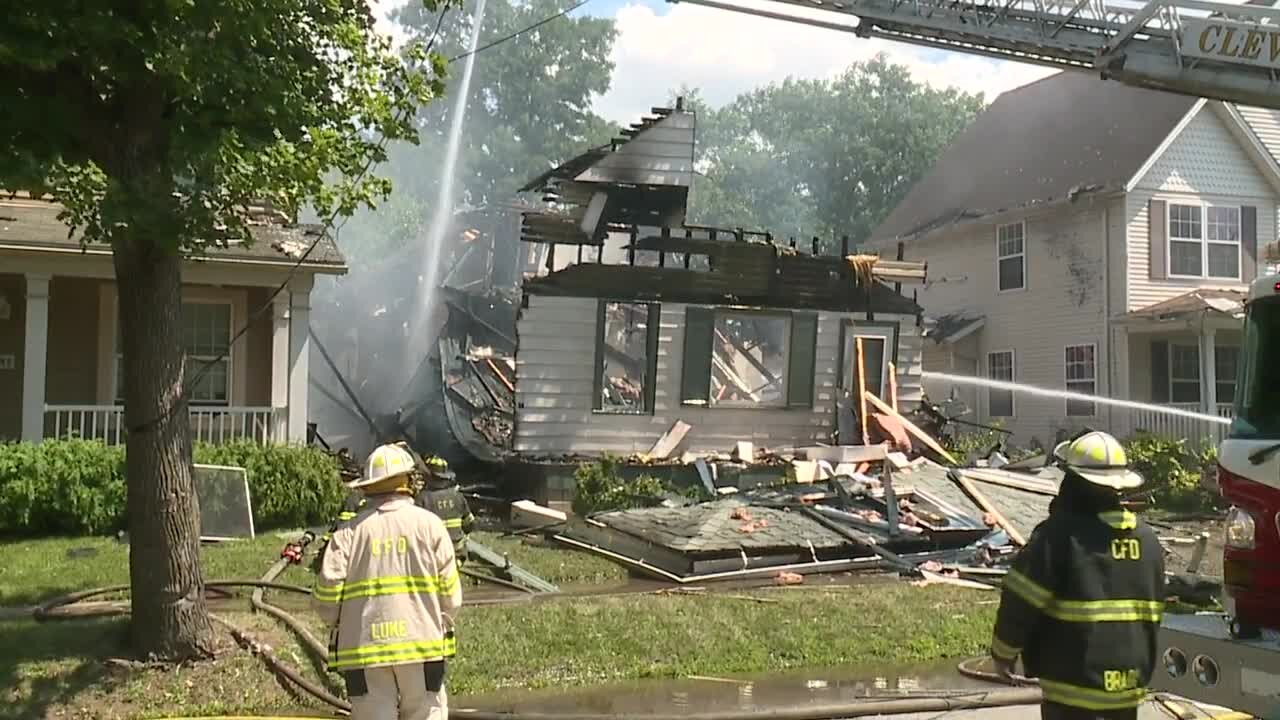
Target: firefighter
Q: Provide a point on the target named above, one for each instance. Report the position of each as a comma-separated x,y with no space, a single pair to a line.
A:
1082,602
443,497
389,588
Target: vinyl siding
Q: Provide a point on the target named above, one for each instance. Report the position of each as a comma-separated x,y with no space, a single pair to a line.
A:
1204,163
1062,305
1266,125
554,384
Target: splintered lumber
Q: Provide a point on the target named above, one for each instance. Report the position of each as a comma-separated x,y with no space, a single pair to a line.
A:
504,567
988,507
862,394
670,440
923,436
1005,479
893,386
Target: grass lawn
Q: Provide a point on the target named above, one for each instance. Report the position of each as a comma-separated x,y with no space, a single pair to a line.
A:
58,669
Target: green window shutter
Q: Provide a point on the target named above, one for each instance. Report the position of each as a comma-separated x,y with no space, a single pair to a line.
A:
804,342
654,328
695,372
1159,371
597,378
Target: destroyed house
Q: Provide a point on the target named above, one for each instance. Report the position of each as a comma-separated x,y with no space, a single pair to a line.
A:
637,320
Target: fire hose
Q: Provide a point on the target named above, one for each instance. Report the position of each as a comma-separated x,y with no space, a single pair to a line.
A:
66,607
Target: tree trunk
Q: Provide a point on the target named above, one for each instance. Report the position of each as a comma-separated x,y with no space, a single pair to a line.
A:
170,618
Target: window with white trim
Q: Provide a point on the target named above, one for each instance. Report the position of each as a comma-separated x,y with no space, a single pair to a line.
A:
1000,367
1081,377
1011,257
206,339
1204,241
1184,373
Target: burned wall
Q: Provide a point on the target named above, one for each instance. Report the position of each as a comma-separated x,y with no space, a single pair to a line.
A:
558,375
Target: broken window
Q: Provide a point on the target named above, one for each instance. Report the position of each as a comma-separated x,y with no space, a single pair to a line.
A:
1204,241
877,353
1011,257
626,340
1184,374
735,358
1082,377
1000,367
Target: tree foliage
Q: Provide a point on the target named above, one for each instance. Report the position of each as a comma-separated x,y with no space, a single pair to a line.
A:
823,157
529,108
156,123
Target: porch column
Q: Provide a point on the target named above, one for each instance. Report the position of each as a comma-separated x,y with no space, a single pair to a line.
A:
1208,372
1117,360
34,357
280,366
299,355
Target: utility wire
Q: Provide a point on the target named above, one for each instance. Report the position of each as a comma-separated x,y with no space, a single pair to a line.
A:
520,32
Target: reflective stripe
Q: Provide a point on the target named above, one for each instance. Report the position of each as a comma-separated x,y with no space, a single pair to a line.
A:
1122,610
1003,650
405,652
1091,698
392,585
1119,519
453,523
346,516
1027,589
1106,610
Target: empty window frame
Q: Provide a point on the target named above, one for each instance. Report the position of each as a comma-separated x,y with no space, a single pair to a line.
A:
1011,257
1081,365
1184,374
878,350
1204,241
626,353
206,339
748,358
1000,367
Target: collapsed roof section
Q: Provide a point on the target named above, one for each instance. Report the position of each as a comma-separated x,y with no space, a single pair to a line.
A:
642,178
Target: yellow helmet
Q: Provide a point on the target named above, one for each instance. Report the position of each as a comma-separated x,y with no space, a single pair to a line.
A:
1098,458
385,463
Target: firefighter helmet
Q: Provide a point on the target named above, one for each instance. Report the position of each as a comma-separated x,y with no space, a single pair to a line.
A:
1098,458
385,464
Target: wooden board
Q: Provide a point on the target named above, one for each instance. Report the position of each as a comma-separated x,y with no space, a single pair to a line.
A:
923,436
670,440
987,506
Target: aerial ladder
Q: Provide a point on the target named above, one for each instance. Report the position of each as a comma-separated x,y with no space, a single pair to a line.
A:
1213,50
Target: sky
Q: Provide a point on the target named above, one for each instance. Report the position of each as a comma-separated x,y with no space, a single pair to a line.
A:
661,47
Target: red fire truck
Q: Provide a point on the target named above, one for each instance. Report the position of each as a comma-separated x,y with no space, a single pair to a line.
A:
1233,660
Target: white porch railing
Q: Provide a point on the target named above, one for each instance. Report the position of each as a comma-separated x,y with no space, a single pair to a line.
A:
1179,426
208,424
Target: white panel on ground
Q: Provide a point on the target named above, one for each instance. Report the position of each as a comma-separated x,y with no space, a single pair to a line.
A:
225,510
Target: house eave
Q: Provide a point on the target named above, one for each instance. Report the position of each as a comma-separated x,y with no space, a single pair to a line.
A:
1012,214
282,264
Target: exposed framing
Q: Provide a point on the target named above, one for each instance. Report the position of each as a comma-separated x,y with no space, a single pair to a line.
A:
1066,379
1204,206
788,315
1013,373
1022,231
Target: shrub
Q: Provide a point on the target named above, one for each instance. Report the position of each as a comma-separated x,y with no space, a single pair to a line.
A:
68,487
1173,470
600,488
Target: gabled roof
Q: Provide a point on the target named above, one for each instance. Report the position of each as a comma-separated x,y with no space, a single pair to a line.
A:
32,224
1048,141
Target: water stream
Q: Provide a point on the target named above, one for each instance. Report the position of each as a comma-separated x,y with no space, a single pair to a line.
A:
419,340
1068,395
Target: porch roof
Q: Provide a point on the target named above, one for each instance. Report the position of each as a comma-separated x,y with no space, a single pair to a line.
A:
1207,301
32,224
953,327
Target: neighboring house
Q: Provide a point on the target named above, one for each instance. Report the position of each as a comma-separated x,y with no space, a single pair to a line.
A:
1091,236
59,353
